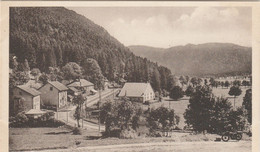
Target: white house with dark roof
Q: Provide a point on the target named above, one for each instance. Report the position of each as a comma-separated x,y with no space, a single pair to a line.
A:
26,98
54,93
139,92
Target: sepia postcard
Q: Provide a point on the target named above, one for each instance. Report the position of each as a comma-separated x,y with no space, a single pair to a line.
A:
130,76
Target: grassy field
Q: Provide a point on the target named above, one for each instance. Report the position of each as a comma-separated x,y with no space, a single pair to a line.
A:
61,138
181,105
224,92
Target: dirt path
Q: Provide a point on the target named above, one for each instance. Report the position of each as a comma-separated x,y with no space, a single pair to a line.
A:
241,146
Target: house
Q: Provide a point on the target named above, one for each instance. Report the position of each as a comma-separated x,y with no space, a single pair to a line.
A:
26,98
54,94
83,85
139,92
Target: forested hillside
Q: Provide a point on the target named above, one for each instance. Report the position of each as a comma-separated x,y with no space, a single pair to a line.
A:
202,59
52,37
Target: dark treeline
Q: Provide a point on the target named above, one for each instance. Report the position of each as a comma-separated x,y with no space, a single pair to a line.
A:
52,37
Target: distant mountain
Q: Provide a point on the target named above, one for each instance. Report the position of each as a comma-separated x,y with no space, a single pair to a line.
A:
201,59
54,36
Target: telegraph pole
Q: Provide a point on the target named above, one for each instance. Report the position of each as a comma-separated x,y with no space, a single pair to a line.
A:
99,110
86,106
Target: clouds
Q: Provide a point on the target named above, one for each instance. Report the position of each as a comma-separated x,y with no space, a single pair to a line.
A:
165,27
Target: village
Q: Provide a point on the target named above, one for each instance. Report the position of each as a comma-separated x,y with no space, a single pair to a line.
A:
76,85
80,107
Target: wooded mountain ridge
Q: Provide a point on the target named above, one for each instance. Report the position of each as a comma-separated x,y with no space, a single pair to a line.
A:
54,36
201,59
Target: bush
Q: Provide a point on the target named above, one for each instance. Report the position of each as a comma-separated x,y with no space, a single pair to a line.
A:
77,131
46,120
112,133
128,134
20,120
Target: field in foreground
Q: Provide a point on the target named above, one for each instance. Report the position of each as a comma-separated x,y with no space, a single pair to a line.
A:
242,146
26,139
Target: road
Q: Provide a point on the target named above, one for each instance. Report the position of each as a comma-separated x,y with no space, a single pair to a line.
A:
204,146
66,116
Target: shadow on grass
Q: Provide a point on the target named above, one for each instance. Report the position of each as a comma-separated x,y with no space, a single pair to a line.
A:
93,137
176,100
58,133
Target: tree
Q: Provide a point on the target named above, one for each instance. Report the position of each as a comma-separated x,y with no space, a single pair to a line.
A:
189,91
108,116
92,72
72,71
78,100
121,114
24,66
238,119
245,83
35,72
187,79
220,116
176,93
182,80
227,84
222,84
13,64
194,81
205,81
171,82
18,78
55,74
126,112
200,81
44,78
212,82
235,91
199,111
162,118
247,103
156,83
237,83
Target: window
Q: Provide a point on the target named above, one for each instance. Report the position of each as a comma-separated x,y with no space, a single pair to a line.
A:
20,93
51,88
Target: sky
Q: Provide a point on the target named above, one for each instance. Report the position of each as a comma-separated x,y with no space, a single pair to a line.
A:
170,26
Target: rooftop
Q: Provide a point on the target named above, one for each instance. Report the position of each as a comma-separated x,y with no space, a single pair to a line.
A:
29,90
58,85
80,83
133,89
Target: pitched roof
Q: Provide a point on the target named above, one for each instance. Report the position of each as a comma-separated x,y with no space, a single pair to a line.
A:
29,90
33,84
131,89
58,85
80,83
73,89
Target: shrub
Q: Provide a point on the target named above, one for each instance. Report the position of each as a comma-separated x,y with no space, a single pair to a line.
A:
20,120
77,131
46,120
112,133
128,134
